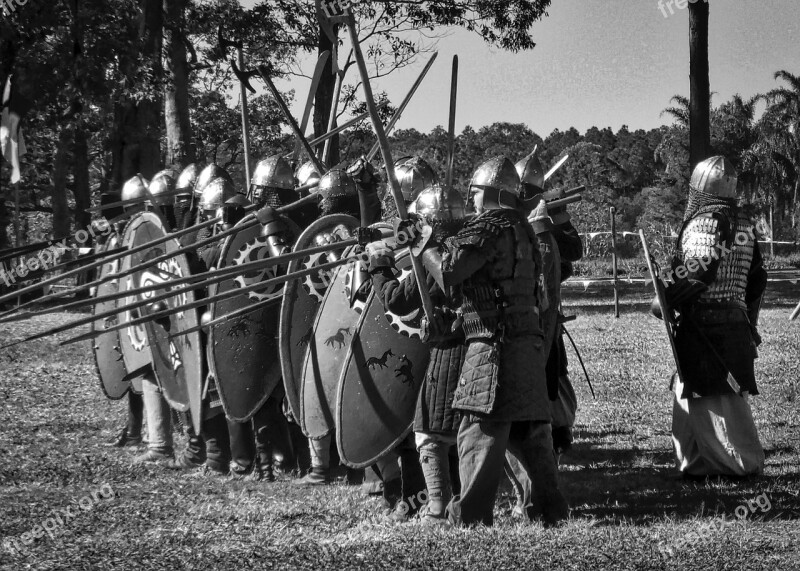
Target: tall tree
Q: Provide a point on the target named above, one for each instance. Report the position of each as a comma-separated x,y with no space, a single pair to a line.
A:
179,151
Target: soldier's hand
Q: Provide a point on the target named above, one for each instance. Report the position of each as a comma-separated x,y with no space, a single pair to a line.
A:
539,212
379,249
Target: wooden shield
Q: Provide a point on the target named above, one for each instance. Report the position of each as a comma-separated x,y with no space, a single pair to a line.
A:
328,342
379,384
301,300
243,352
177,360
107,349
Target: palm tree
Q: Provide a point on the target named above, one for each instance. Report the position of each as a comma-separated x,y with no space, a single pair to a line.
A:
680,111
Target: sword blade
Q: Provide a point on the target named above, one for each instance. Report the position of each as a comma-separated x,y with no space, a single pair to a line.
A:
555,168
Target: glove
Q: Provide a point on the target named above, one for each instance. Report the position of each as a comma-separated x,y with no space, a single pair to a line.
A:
365,175
380,255
539,212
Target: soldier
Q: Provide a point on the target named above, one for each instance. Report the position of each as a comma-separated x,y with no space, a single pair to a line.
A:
435,422
414,175
716,284
160,445
273,184
560,245
494,265
185,207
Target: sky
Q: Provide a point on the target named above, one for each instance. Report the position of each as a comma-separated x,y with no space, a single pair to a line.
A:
603,63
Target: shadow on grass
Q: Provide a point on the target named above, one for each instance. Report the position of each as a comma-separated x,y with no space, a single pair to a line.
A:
614,486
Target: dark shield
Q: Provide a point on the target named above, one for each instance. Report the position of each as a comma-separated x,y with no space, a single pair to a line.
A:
114,379
243,352
177,360
301,299
380,382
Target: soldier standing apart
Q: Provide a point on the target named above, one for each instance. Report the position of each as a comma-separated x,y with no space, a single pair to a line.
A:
435,422
494,263
717,285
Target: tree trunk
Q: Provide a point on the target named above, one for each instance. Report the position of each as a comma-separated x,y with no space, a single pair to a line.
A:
148,116
61,213
323,100
176,94
82,191
700,91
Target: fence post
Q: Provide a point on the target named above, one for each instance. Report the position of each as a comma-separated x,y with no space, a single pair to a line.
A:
612,212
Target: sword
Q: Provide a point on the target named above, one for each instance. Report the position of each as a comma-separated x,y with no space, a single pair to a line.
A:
451,130
394,185
315,79
580,359
555,168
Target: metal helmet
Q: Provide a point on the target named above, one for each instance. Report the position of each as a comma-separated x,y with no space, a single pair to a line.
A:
715,176
162,188
307,174
273,172
208,174
531,174
136,187
499,181
414,175
216,193
436,204
187,179
336,183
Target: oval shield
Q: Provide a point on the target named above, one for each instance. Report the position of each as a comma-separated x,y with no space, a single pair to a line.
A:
177,359
379,384
107,350
301,299
243,352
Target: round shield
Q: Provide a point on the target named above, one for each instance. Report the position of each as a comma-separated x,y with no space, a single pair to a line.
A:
107,349
302,297
177,359
243,352
380,381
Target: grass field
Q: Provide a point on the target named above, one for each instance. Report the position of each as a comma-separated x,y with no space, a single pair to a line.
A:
629,508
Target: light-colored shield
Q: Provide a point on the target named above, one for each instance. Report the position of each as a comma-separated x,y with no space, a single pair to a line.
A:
177,360
302,298
379,384
107,349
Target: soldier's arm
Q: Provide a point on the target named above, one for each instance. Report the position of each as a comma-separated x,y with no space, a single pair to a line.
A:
756,279
396,296
570,245
462,257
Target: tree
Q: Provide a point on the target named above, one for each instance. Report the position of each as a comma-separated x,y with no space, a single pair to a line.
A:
699,88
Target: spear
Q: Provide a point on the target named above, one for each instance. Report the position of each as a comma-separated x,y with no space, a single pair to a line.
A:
394,185
207,278
451,129
133,201
194,305
118,256
253,221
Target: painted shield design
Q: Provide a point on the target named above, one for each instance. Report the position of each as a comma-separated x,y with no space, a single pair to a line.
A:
380,381
302,298
177,360
107,348
243,352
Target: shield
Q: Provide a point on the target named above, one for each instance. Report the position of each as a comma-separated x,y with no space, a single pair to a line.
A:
243,352
177,361
301,300
380,381
107,349
668,315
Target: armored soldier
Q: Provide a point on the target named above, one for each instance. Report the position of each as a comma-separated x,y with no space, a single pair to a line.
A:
716,285
414,175
435,422
184,206
159,415
494,264
273,184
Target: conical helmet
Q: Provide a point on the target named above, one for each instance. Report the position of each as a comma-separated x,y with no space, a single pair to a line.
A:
216,193
273,172
162,188
336,183
498,182
414,175
436,205
187,180
715,176
136,187
208,174
307,174
531,174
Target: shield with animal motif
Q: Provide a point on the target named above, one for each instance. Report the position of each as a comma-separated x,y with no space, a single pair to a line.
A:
302,298
107,349
243,352
177,359
379,384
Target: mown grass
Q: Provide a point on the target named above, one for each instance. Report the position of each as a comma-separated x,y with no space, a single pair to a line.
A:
619,478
